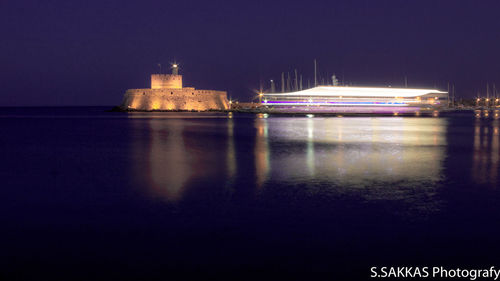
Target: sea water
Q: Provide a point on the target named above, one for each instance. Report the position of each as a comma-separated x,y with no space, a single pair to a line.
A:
93,195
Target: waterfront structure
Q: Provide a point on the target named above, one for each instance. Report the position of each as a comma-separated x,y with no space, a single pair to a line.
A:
167,93
339,99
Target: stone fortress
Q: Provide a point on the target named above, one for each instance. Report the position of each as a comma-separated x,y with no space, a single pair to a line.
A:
167,93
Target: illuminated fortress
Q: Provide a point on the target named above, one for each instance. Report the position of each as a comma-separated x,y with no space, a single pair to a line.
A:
166,93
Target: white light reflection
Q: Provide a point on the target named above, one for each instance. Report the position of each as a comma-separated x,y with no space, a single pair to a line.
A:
310,147
356,151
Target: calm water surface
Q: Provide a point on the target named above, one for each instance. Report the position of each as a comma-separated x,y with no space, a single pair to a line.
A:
90,195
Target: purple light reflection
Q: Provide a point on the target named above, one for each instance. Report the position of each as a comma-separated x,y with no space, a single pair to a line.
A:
346,109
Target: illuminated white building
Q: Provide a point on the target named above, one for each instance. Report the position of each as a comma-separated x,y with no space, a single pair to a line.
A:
356,100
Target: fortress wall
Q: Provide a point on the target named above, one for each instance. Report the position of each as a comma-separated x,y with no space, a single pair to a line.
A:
166,81
175,99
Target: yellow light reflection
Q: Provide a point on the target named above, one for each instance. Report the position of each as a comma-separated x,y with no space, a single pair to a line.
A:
231,150
486,152
261,151
170,158
166,150
494,154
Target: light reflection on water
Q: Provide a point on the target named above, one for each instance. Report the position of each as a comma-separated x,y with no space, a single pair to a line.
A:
168,162
261,151
395,159
192,189
188,189
347,151
231,150
375,158
486,152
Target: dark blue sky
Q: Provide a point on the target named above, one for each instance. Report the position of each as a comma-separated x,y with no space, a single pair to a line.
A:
90,52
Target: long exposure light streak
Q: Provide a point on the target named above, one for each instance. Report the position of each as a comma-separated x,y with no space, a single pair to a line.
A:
355,99
343,91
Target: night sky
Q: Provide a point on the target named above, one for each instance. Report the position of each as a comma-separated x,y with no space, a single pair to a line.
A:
89,52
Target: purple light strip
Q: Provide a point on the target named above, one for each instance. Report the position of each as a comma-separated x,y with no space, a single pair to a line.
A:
346,109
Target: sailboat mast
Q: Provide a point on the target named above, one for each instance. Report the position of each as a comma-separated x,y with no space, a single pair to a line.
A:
288,83
282,82
296,81
448,94
453,95
315,71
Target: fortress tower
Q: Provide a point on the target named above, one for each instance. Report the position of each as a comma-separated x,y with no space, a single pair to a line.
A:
167,81
167,93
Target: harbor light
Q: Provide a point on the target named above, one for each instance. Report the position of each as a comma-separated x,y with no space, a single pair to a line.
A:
260,94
